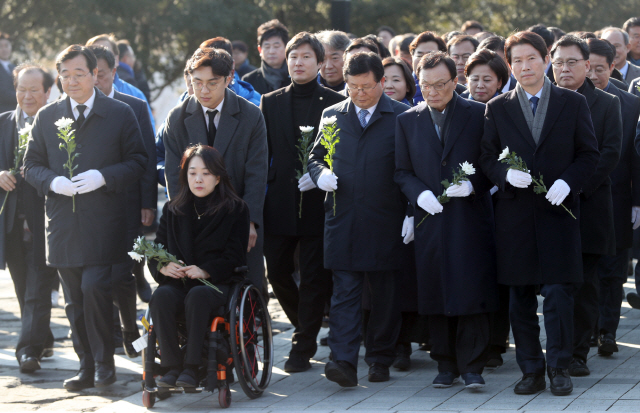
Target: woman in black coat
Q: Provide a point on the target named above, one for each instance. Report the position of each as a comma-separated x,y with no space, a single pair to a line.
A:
205,226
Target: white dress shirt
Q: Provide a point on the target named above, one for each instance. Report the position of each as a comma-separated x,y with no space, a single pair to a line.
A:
216,119
88,104
370,110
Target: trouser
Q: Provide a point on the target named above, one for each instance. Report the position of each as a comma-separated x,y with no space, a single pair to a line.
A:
460,343
197,306
124,289
303,305
255,262
499,321
585,306
32,281
557,309
346,315
89,301
612,274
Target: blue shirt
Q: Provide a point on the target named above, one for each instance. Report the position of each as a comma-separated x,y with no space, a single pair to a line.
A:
127,89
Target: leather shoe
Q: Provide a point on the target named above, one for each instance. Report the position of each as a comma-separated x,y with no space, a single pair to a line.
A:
578,368
445,379
82,380
607,344
169,379
473,380
531,383
296,363
128,337
403,357
187,379
561,384
28,364
378,372
105,375
634,300
341,372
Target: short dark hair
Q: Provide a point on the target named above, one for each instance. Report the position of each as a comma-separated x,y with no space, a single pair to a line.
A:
362,42
542,31
585,35
405,43
218,60
455,40
526,37
426,37
240,45
632,22
602,48
110,38
303,38
570,40
124,47
491,59
272,28
384,52
433,59
217,43
102,52
557,32
362,63
47,79
74,51
406,71
471,24
449,35
494,43
386,29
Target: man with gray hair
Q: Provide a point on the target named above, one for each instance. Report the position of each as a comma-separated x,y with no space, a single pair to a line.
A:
335,43
620,40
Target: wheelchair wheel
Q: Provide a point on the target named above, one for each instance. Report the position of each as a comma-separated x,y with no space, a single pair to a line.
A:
224,397
148,399
251,340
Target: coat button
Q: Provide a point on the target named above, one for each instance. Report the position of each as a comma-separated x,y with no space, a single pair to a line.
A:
79,146
444,163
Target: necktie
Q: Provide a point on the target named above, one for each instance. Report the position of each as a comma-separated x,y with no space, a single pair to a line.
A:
534,104
30,120
80,119
362,116
211,137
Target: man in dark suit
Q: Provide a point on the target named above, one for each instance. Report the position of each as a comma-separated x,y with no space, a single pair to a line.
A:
141,199
217,117
286,226
537,241
362,242
273,72
455,244
85,243
612,269
7,91
548,37
22,241
571,63
620,40
460,48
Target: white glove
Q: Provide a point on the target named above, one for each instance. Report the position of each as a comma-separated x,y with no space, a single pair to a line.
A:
635,216
407,230
88,181
518,179
465,188
63,186
305,183
429,203
327,181
558,192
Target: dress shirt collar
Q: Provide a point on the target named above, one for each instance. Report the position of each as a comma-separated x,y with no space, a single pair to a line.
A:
216,119
370,110
538,95
88,104
625,69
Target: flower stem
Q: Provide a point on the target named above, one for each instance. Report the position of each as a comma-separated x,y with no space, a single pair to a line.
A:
334,203
425,217
300,210
4,202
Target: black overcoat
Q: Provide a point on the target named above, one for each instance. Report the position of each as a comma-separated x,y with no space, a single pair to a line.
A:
365,233
281,204
455,250
109,141
597,231
536,242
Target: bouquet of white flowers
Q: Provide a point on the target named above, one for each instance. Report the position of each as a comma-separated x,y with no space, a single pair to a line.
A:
68,144
329,140
305,144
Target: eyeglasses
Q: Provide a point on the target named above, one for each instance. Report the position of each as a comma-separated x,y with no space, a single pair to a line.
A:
211,85
571,63
437,86
76,78
365,90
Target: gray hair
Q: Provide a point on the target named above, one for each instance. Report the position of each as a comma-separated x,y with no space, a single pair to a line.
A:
624,34
334,38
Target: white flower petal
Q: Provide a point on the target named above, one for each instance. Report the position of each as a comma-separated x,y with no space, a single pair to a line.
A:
504,154
63,123
468,168
26,130
306,129
135,256
330,120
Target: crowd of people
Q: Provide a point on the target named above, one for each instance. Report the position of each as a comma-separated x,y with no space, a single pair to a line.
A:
449,180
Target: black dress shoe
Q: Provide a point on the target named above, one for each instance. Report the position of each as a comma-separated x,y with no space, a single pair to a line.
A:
105,375
169,379
403,357
296,363
378,372
593,341
342,373
561,384
607,344
28,364
187,379
531,383
578,368
128,337
634,300
82,380
473,380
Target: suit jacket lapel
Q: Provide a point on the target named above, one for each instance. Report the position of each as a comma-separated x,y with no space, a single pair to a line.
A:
384,105
228,123
350,123
195,124
556,103
512,106
285,102
458,122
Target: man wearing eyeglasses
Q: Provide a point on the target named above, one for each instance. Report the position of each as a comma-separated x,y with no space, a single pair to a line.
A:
85,243
537,240
362,242
597,232
460,48
216,116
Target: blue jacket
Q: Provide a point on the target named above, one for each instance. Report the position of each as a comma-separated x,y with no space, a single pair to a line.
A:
417,98
127,89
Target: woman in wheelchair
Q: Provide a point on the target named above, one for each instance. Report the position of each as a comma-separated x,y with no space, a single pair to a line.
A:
206,226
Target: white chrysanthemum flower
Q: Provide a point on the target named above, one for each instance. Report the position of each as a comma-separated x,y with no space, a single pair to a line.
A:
135,256
330,120
25,131
62,123
306,129
504,154
468,168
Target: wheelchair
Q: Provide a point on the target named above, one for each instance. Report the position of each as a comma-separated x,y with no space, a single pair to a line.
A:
240,340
